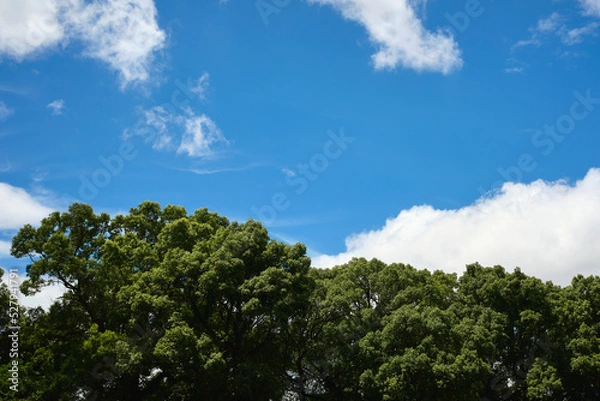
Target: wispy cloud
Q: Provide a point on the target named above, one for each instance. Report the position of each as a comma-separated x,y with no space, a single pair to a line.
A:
514,70
5,112
200,135
577,35
12,89
218,170
185,133
515,66
396,29
124,35
551,230
180,129
200,86
57,106
555,26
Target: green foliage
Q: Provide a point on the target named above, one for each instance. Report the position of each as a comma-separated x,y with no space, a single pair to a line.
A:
165,305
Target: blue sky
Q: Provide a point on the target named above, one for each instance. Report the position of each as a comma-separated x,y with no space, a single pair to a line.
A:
361,128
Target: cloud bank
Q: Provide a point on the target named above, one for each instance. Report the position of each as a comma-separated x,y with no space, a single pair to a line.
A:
550,230
124,35
19,208
397,30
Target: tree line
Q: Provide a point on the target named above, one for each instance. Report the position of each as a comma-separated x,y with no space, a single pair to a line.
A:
161,304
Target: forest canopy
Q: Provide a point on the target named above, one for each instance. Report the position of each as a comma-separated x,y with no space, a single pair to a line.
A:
161,304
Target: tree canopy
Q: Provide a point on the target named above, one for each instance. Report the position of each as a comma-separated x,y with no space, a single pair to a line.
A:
161,304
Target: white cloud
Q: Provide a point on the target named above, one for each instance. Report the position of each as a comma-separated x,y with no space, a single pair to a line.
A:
591,7
165,126
577,35
394,26
29,26
19,208
57,107
45,298
200,86
555,25
197,135
5,112
154,126
514,70
122,34
550,24
201,134
550,230
515,66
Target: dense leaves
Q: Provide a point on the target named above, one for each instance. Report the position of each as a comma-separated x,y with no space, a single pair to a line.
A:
165,305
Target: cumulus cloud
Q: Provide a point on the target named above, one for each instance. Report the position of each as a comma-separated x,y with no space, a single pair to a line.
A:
550,230
29,26
397,30
124,35
19,208
5,112
57,106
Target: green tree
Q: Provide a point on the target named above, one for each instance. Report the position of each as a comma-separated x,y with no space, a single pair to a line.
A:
161,305
164,305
